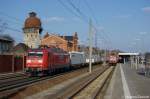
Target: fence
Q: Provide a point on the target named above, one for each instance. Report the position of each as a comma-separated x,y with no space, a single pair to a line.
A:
12,63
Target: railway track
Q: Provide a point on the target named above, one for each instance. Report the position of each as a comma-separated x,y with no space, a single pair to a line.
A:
93,90
11,87
11,79
87,87
11,75
17,83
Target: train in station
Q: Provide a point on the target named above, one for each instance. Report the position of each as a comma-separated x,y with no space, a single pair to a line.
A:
46,60
43,61
95,59
112,59
77,59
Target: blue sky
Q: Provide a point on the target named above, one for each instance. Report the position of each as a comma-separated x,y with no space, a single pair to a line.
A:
121,24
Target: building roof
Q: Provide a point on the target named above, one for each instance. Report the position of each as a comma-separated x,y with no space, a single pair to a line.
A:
5,38
128,53
68,38
20,48
32,21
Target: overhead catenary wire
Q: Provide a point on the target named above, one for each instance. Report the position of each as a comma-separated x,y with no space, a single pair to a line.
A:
7,22
97,23
10,28
12,22
15,30
92,12
11,17
68,9
15,21
85,18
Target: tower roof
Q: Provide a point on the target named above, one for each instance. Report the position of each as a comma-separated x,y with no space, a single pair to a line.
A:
32,21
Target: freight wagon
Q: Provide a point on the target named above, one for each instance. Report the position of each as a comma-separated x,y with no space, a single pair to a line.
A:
77,59
95,59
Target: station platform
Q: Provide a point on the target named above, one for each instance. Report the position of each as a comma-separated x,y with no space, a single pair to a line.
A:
126,83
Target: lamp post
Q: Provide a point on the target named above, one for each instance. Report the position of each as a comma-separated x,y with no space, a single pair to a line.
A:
90,46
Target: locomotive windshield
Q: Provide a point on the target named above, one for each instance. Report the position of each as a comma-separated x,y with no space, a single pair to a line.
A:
37,54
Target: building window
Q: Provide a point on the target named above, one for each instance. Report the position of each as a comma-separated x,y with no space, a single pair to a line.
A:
7,47
2,46
31,30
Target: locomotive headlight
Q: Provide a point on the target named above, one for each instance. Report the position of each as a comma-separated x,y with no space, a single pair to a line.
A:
40,61
28,61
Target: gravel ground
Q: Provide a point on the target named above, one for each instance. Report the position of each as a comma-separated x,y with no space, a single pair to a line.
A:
92,89
43,85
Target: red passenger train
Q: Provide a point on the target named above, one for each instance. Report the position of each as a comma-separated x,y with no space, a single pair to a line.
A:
43,61
113,59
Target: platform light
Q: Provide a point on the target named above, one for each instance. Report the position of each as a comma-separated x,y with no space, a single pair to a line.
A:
28,61
40,61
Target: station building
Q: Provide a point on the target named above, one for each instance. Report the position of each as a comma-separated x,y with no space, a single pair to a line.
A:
32,36
5,44
128,57
67,43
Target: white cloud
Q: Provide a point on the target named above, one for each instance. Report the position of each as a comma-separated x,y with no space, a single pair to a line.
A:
55,19
146,9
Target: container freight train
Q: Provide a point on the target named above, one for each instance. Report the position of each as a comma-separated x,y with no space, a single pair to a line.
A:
95,59
45,61
77,59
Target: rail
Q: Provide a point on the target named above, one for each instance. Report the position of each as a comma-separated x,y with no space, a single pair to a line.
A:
74,89
6,89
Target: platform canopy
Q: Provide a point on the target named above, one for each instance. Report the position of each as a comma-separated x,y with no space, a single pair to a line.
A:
129,54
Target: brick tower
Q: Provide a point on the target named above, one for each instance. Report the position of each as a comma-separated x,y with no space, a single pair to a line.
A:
32,31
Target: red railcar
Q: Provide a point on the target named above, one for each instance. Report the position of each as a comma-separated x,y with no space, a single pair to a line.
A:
112,60
46,60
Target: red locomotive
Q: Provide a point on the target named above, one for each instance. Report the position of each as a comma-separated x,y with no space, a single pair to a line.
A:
112,60
46,60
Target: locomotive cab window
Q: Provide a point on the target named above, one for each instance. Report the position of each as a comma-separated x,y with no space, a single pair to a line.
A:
37,54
